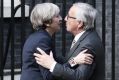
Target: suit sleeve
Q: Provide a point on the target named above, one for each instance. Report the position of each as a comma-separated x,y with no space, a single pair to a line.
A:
79,72
82,72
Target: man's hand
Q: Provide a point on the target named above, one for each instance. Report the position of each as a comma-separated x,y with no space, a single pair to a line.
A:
43,59
82,58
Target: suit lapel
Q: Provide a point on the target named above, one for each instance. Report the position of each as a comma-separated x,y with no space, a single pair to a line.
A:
72,50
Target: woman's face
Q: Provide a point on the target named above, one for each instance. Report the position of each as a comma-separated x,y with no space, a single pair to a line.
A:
56,21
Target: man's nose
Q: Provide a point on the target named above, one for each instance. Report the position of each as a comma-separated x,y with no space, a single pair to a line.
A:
65,18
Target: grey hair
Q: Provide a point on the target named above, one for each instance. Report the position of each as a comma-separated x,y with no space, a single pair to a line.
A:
86,13
42,13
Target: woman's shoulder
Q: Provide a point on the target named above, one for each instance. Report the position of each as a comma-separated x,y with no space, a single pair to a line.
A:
39,36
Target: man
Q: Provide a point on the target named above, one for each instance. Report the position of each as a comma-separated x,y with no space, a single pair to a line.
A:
80,22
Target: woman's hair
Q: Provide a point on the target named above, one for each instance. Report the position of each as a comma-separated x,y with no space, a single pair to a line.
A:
43,13
86,13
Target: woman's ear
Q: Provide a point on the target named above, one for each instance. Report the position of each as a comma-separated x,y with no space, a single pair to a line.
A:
50,21
47,23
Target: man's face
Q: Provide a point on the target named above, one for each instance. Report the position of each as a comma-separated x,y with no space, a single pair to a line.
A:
71,22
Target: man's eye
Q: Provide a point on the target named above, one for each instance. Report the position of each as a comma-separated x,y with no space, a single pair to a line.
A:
57,16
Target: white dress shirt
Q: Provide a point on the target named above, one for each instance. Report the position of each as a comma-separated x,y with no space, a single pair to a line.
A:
75,39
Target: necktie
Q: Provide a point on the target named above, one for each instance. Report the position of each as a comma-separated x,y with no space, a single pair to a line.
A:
73,42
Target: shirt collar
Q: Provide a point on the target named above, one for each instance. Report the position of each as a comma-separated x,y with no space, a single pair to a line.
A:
78,36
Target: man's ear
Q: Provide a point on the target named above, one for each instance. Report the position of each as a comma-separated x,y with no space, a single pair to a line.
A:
80,24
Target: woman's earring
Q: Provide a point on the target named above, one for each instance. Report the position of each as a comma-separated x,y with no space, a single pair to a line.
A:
48,25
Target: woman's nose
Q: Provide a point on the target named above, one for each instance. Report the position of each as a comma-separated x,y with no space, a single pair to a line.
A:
60,18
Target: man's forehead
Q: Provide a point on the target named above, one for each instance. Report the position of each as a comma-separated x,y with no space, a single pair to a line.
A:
73,10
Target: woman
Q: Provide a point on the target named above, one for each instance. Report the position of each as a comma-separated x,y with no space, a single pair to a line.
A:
46,21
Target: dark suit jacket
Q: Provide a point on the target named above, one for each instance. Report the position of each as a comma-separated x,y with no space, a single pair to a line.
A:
31,70
91,41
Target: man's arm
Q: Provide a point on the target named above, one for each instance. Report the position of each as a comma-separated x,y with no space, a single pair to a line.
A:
64,71
82,72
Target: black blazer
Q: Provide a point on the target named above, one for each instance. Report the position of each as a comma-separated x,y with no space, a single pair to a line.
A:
91,41
30,69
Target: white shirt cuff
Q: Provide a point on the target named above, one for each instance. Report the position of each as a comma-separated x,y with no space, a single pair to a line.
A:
72,62
52,66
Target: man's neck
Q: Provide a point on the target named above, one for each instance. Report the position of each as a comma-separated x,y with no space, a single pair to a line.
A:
78,32
78,36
